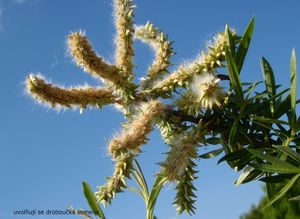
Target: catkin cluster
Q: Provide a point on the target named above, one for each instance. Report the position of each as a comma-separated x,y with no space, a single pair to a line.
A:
196,82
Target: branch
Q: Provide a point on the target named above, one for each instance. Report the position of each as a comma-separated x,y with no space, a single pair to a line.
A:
223,77
182,117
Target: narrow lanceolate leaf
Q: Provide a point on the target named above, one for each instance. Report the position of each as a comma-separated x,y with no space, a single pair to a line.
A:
230,40
282,107
269,120
297,198
268,168
141,176
293,70
140,180
288,151
234,156
211,154
276,165
283,190
213,141
244,45
269,81
234,75
297,125
276,178
243,176
157,186
249,176
271,190
89,195
233,133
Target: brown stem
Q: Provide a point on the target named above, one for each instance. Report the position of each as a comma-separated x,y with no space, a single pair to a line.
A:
223,77
182,117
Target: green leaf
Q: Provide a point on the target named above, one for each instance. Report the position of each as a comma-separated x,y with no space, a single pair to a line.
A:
142,181
269,81
233,133
282,107
211,154
283,190
293,70
234,155
249,176
250,89
157,186
297,198
244,45
297,125
243,161
213,141
136,191
273,98
271,190
234,75
277,164
290,152
269,120
230,40
276,169
91,199
276,178
243,176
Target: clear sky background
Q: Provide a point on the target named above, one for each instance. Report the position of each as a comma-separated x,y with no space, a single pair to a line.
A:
45,154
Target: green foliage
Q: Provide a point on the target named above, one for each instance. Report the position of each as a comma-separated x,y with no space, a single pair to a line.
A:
258,131
285,208
89,195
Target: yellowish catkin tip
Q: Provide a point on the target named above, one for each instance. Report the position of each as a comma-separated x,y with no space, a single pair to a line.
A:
207,91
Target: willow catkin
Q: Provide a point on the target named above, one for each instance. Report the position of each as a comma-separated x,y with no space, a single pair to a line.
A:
54,95
206,62
82,51
117,182
131,138
162,47
206,90
124,40
183,149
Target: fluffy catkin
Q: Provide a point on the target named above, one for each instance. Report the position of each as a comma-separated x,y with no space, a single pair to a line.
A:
163,51
38,88
206,62
124,30
117,182
185,197
82,51
182,151
207,91
136,133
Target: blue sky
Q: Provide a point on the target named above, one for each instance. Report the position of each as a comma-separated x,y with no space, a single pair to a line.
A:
45,154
